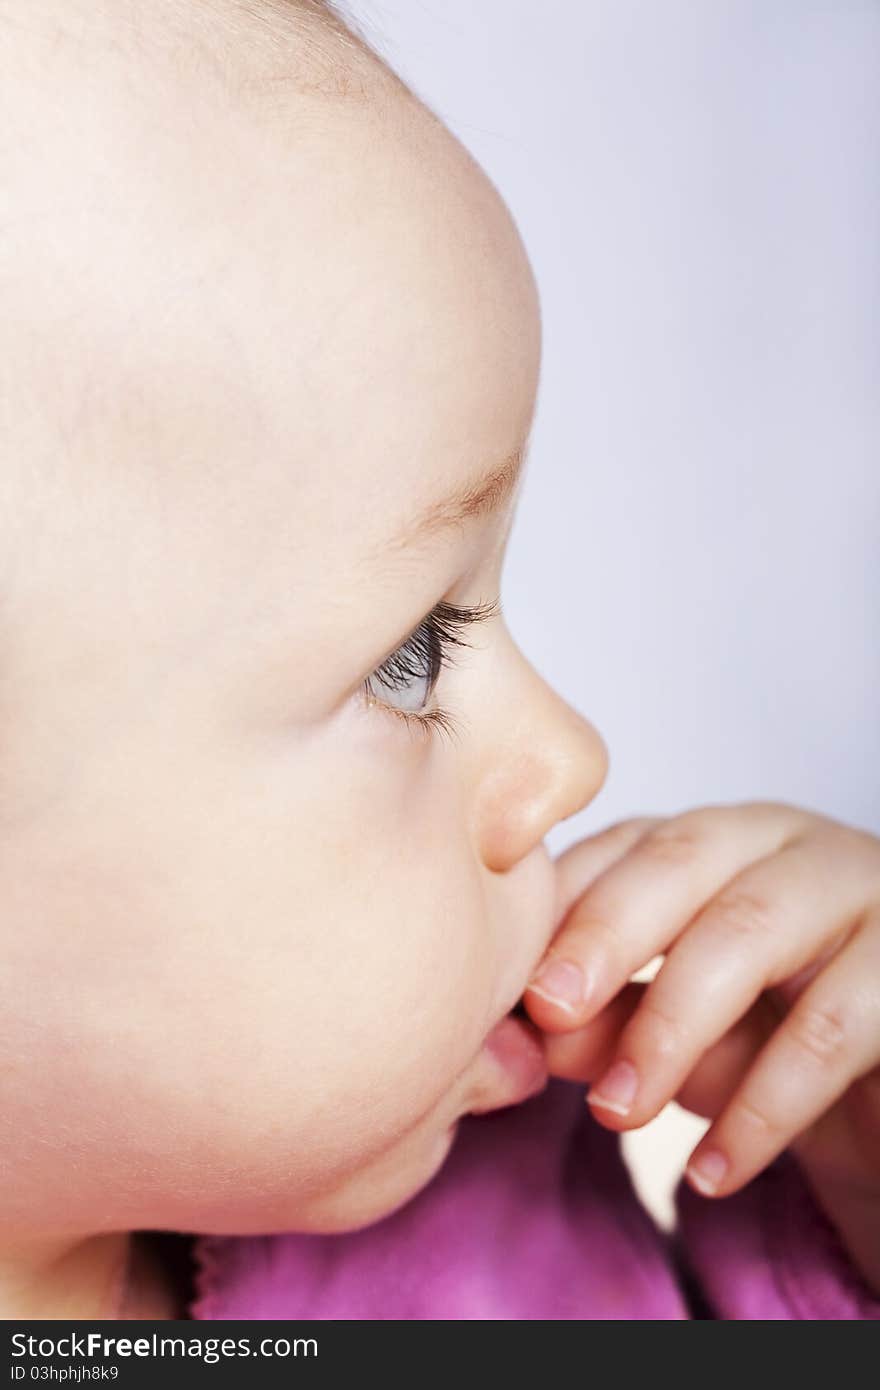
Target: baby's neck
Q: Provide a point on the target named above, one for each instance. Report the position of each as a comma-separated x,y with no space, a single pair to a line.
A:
106,1277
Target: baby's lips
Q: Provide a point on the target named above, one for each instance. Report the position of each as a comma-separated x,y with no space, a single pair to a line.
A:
516,1050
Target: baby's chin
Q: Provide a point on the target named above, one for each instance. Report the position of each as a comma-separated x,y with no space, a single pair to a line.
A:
380,1188
509,1068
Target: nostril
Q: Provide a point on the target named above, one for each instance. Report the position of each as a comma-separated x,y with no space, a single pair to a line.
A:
519,1009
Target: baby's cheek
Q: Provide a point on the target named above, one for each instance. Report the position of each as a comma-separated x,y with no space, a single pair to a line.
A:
363,1044
390,974
252,996
390,988
325,1013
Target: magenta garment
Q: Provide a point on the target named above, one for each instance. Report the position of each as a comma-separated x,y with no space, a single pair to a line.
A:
534,1216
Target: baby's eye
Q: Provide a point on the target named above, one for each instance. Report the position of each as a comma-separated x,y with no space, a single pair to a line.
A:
412,671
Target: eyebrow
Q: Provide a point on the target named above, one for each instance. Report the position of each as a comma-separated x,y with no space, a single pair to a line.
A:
483,497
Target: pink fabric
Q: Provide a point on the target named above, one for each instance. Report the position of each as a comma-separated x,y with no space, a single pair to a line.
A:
534,1216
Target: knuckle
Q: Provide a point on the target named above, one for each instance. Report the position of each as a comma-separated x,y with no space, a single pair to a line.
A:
587,933
631,824
661,1033
671,843
820,1031
747,1115
594,936
743,913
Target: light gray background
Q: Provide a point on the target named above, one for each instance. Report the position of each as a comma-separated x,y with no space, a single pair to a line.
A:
696,558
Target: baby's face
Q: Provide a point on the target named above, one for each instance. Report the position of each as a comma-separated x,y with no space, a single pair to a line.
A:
258,928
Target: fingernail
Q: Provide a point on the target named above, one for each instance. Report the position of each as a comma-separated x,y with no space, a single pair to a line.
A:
706,1170
617,1088
560,981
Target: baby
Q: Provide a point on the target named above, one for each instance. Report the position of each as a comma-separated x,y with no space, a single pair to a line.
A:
276,777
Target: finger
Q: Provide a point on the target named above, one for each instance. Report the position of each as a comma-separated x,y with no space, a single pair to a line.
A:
639,905
765,925
720,1070
584,861
584,1054
576,869
829,1039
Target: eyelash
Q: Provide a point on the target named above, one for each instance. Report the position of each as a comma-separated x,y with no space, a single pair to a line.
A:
424,653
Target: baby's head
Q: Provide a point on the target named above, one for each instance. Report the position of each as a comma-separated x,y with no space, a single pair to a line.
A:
263,316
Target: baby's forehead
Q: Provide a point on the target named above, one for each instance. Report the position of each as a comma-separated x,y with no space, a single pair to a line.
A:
300,310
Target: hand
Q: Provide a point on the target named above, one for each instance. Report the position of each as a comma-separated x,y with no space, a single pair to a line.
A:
765,1013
